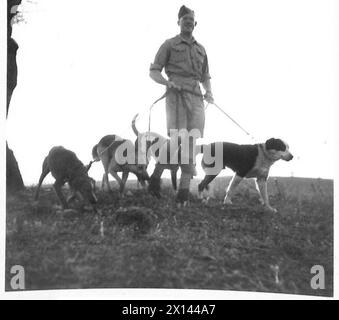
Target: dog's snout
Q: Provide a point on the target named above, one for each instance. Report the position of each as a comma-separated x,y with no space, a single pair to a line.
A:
289,157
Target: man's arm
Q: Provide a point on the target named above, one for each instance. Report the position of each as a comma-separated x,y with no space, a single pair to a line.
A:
157,76
160,61
208,94
206,82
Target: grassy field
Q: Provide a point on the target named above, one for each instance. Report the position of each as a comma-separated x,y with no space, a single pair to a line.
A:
141,242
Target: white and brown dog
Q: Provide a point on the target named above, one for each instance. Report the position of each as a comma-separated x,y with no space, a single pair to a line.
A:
153,143
119,155
247,161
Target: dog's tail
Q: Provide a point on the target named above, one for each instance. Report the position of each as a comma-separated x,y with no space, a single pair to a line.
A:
135,130
95,155
88,166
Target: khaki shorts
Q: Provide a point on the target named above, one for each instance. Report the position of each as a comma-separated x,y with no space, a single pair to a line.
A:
185,111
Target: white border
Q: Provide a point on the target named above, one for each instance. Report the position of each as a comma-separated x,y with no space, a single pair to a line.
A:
3,79
142,294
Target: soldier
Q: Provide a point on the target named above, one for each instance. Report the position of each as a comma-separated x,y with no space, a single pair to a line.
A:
186,66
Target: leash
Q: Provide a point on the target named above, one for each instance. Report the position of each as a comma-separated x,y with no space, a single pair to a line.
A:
100,153
235,122
200,95
151,107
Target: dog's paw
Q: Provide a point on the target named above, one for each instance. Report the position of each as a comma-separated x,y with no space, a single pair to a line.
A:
122,195
88,208
184,204
227,201
271,209
69,211
71,198
206,200
155,194
66,211
57,207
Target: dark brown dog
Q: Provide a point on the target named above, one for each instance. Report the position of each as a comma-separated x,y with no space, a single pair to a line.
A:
66,167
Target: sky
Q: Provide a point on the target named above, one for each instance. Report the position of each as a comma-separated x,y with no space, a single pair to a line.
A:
84,73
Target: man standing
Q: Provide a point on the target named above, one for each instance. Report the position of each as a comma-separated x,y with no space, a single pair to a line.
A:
186,65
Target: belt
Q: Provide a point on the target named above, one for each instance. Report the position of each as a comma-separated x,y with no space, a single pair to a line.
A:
178,92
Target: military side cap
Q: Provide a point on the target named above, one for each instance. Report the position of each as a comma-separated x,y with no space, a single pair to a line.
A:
184,10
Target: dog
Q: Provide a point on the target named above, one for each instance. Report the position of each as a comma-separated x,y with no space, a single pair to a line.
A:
152,143
247,161
114,153
66,167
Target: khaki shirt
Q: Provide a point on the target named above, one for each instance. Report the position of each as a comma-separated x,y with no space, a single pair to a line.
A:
182,59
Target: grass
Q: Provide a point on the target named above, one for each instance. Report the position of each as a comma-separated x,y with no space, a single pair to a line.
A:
140,242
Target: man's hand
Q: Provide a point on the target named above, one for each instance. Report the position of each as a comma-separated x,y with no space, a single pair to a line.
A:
171,84
209,97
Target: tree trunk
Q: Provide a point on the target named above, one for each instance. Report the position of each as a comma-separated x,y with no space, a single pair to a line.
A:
14,180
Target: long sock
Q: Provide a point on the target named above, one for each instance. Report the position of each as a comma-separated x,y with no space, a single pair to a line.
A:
185,180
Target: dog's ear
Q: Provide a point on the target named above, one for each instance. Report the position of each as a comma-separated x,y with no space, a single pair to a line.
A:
275,144
269,144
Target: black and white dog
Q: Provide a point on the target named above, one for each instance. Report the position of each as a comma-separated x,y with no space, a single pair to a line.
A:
247,161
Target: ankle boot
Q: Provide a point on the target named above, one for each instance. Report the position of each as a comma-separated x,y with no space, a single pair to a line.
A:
154,187
182,195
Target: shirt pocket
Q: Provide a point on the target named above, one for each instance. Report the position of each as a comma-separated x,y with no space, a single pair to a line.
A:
199,57
178,53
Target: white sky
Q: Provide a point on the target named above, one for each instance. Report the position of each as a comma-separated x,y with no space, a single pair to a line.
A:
83,73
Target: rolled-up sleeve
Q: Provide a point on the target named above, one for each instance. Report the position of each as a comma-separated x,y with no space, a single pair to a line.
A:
161,57
205,70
